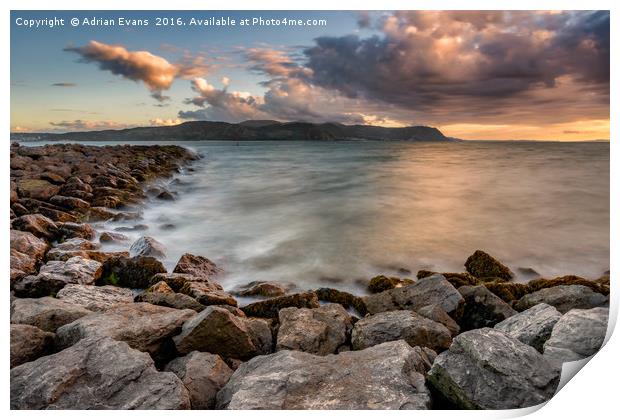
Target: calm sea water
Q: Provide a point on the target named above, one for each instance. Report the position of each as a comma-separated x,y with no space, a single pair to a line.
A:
331,214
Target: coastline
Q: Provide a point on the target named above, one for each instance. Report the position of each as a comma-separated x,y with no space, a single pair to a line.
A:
57,190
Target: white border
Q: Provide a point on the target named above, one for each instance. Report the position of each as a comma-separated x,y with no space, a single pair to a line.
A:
592,394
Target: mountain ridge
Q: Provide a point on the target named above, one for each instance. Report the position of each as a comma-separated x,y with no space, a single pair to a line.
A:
254,130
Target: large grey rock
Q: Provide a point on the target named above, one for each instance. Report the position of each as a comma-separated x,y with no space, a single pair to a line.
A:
427,291
482,308
387,376
77,244
55,275
143,326
437,314
415,329
564,298
319,330
29,343
95,298
532,326
486,369
96,373
203,374
148,247
216,330
46,313
578,334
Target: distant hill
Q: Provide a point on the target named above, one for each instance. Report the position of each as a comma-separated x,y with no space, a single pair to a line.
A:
248,130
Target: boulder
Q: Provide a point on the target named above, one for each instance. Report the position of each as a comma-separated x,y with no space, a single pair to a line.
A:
134,272
563,298
270,308
69,203
482,308
96,255
28,343
55,275
27,243
76,230
319,330
427,291
143,326
77,244
216,330
21,265
46,313
578,334
437,314
486,369
176,281
346,299
160,287
387,376
537,284
94,298
415,329
37,224
170,300
480,264
508,292
198,266
208,293
382,283
112,237
148,247
532,326
96,373
203,374
263,288
38,189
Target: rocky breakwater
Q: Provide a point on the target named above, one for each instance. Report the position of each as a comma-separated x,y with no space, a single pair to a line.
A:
94,330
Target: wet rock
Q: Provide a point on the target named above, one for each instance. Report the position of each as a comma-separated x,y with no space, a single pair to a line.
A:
76,230
198,266
486,369
415,329
508,292
37,224
270,308
435,313
320,330
203,374
346,299
165,196
480,264
21,265
532,326
36,188
563,298
77,244
216,330
143,326
539,284
100,213
94,298
29,343
134,272
176,281
138,227
160,287
387,376
81,377
70,203
578,334
482,308
27,243
455,279
208,293
382,283
46,313
112,237
148,247
55,275
263,288
52,178
99,256
170,300
427,291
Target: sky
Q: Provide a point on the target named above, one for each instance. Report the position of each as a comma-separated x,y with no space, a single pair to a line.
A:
487,75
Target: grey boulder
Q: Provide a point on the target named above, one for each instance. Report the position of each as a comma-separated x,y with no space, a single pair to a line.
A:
147,246
29,343
486,369
482,308
564,298
387,376
532,326
319,330
95,298
46,313
96,373
415,329
578,334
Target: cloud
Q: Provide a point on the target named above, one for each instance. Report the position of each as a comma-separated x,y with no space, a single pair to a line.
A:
87,125
158,122
154,71
64,84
